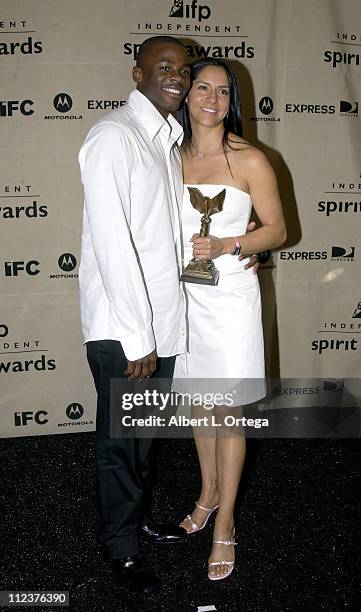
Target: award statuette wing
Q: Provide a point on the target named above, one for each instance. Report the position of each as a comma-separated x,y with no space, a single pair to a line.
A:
203,271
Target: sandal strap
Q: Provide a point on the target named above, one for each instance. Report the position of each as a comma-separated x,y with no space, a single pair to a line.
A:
206,509
225,542
221,563
195,527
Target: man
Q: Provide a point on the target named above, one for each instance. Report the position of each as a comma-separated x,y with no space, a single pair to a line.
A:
131,301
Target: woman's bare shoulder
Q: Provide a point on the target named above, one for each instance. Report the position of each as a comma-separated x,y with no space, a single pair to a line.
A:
242,150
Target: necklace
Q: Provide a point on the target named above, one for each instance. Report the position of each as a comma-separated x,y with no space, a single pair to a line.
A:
200,154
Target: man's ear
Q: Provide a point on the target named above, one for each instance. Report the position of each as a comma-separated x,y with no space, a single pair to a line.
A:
137,75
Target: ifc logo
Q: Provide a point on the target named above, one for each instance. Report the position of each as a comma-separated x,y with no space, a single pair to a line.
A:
62,102
74,411
266,105
67,262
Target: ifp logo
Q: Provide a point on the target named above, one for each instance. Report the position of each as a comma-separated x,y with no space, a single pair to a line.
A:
62,102
190,11
356,314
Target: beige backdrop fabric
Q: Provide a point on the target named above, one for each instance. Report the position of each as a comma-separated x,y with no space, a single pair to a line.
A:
299,65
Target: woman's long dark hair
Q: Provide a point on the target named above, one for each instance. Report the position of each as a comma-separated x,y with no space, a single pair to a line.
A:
232,121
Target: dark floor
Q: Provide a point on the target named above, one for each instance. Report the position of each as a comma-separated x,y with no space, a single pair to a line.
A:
297,524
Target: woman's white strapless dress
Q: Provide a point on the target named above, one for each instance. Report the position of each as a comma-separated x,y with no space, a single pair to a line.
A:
224,322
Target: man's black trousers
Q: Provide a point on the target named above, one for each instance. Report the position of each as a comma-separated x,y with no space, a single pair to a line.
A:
122,466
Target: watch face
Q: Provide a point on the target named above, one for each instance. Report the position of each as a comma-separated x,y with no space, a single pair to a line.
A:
263,256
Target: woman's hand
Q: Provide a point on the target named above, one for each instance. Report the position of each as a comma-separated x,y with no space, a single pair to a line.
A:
253,259
207,248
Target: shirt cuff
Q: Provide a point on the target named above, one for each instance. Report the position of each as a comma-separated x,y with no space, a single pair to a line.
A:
138,345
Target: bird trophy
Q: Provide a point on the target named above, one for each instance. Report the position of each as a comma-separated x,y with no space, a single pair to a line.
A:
203,271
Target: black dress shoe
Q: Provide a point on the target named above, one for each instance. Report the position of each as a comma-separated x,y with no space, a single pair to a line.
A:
161,533
133,573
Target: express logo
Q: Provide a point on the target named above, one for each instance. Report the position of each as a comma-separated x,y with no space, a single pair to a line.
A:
348,109
311,109
105,104
62,102
303,255
356,313
74,411
337,254
67,262
190,11
266,105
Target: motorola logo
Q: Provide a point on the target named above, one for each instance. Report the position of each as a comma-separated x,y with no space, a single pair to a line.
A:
74,411
67,262
266,105
63,102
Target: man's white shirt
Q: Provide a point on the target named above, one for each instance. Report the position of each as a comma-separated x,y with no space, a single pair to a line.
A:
131,242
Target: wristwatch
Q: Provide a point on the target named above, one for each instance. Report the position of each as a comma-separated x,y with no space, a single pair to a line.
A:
237,250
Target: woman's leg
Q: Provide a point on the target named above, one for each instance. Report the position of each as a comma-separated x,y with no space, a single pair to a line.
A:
205,441
230,456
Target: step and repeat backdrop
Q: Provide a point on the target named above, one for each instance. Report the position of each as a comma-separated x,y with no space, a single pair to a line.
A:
62,66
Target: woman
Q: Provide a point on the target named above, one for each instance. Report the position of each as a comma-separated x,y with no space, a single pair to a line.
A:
224,321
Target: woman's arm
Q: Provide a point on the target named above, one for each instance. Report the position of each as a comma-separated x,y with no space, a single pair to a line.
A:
264,193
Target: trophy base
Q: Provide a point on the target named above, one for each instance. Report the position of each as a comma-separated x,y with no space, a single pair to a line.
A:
201,272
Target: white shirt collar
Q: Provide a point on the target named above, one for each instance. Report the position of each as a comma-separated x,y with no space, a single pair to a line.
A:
151,118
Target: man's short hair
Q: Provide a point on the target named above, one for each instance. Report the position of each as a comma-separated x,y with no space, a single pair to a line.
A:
149,43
